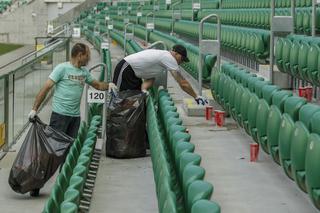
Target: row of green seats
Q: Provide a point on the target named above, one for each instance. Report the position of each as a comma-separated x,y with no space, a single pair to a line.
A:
284,125
249,42
263,3
260,18
178,175
66,192
160,24
299,56
4,4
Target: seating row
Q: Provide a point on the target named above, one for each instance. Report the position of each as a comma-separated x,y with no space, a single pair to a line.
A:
253,43
260,18
263,3
299,56
178,176
284,125
70,183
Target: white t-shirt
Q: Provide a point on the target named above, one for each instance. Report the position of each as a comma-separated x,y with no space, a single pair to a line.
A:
151,63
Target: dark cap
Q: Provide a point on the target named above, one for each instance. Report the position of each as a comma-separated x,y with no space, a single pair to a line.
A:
182,51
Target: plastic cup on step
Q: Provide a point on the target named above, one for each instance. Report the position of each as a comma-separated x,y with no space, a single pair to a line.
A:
209,110
254,152
302,92
219,117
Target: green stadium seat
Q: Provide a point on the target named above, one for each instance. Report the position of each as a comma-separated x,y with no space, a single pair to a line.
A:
306,114
312,64
279,98
190,174
292,105
170,203
314,123
285,139
68,207
181,148
273,126
303,59
72,195
261,123
294,59
312,169
299,145
198,190
205,206
187,158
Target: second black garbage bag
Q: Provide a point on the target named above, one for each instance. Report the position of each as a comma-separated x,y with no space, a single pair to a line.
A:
126,125
41,153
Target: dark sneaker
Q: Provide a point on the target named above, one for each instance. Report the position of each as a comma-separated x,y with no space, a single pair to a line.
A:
35,193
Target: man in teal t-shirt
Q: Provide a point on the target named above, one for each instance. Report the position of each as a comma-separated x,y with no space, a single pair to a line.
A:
69,79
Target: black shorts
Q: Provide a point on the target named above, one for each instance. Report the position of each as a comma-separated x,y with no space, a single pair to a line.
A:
67,124
129,80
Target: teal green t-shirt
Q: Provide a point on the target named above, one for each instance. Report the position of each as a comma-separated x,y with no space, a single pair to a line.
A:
69,83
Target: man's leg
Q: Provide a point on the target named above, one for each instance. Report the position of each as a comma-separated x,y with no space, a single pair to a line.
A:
59,122
73,127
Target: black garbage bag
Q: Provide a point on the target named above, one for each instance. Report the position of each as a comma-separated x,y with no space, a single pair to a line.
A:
41,153
126,125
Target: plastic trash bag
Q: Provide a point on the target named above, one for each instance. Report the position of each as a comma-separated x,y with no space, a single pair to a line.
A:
126,124
41,153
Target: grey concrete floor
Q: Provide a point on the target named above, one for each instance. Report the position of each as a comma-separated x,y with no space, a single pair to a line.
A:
124,185
240,186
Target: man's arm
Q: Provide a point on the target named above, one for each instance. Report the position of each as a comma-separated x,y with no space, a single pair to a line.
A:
42,94
183,83
99,85
147,84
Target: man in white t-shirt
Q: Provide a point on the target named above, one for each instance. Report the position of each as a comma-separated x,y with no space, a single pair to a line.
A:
148,65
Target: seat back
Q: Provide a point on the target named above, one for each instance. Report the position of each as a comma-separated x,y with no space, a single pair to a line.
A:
292,106
279,98
299,145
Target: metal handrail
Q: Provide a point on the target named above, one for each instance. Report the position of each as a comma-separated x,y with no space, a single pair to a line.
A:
173,18
199,1
200,63
34,59
125,36
25,58
150,13
315,3
154,44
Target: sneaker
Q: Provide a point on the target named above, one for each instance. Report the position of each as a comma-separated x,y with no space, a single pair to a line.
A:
35,193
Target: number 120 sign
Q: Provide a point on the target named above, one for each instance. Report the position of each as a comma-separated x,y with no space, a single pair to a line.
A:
96,96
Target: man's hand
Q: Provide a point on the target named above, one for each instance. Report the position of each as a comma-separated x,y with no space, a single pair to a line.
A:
201,100
112,87
32,114
145,92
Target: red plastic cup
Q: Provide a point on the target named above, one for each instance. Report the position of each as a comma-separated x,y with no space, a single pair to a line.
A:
302,92
209,110
309,93
219,117
254,152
